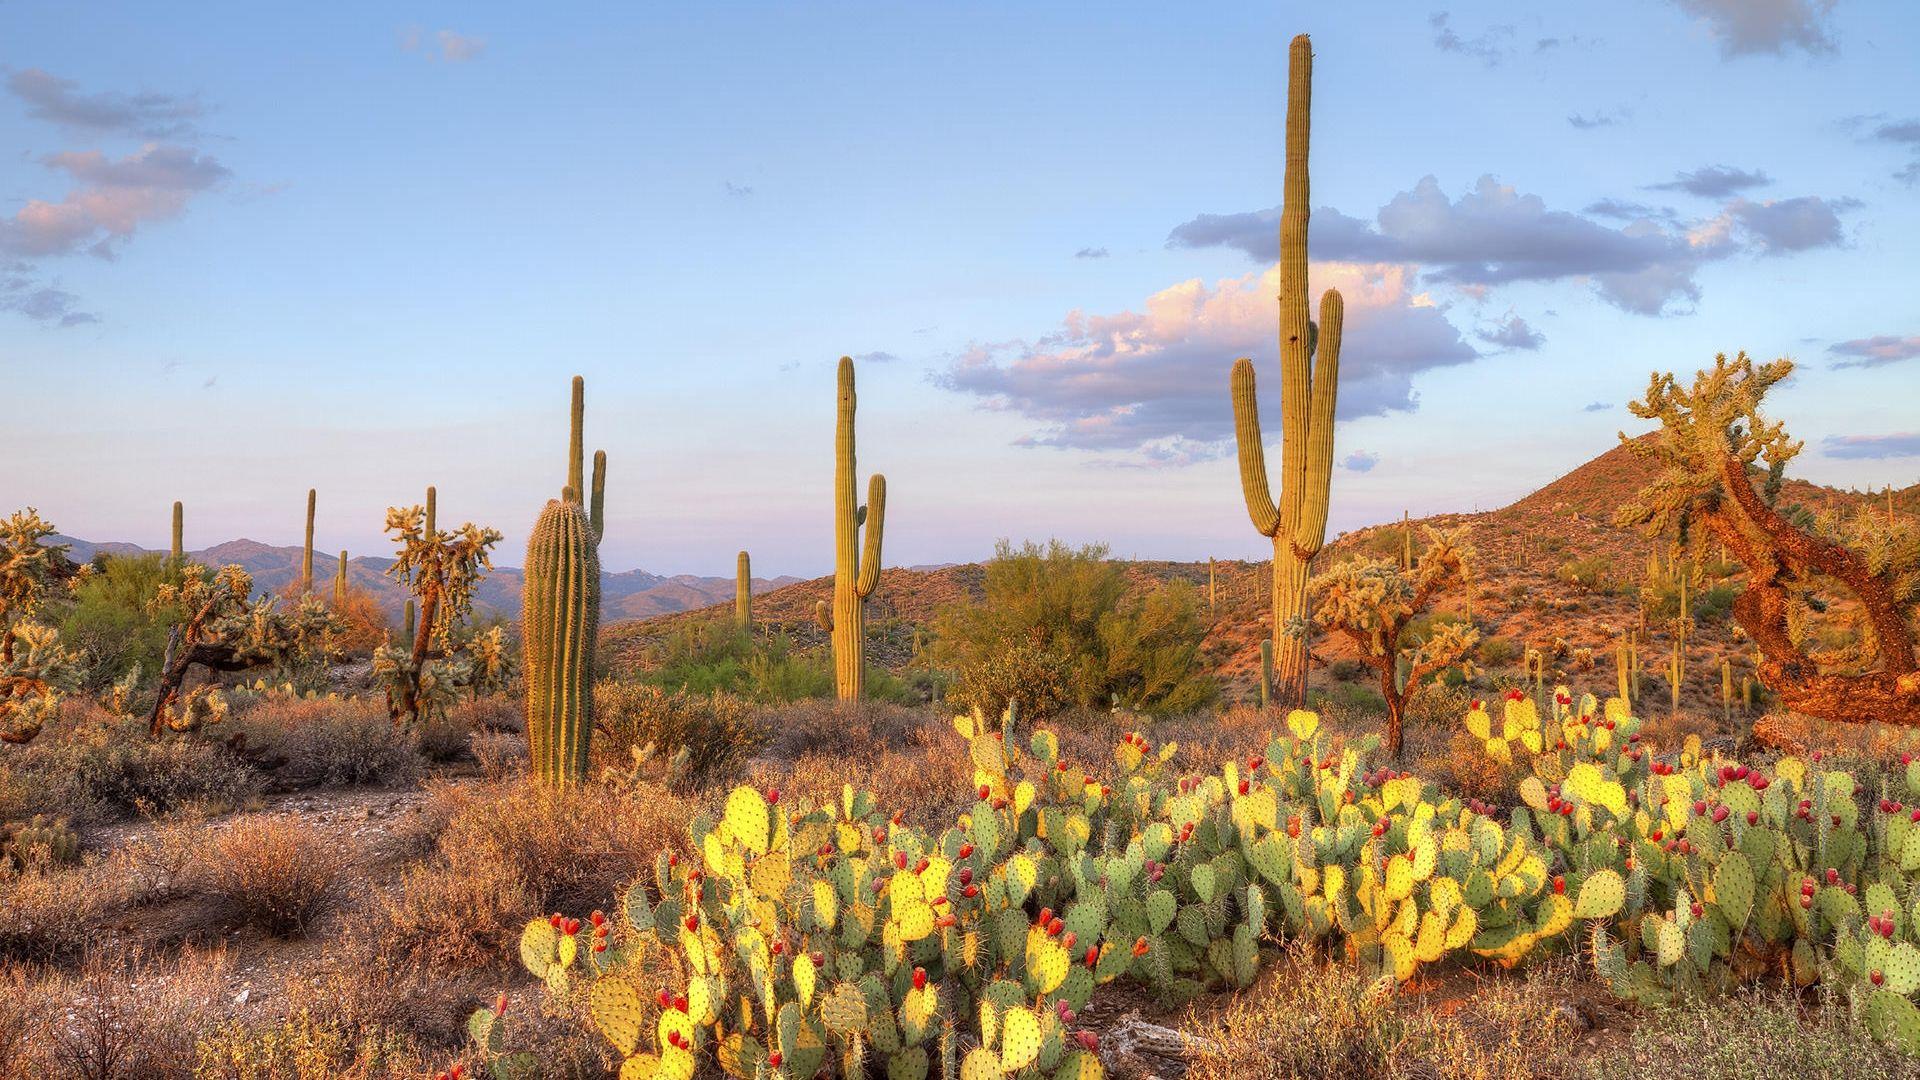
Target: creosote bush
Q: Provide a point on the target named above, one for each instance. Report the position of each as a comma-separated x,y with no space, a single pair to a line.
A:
328,741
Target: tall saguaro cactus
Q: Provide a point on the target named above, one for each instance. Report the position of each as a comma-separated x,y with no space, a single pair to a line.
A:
306,562
743,592
855,572
1310,381
179,532
560,617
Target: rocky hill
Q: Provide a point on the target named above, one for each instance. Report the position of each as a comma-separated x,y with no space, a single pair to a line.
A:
1551,572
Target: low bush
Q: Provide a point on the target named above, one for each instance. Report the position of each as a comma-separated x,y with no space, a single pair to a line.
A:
718,731
508,852
328,741
94,768
275,874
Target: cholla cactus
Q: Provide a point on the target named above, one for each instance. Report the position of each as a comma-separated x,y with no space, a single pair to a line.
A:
1372,602
222,628
1712,442
441,569
34,667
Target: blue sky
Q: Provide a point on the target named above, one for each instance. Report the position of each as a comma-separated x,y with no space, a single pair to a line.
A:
244,253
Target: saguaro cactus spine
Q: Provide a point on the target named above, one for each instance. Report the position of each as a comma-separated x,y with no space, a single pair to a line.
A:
560,617
179,532
856,572
743,591
306,562
1310,380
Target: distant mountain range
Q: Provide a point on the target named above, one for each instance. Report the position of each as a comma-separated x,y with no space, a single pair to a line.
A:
630,594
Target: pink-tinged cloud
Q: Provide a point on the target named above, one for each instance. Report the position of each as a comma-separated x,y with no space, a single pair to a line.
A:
114,197
1875,351
1898,444
1153,383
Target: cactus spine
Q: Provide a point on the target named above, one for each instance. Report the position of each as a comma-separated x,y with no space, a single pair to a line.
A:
306,562
1310,380
340,583
743,591
560,617
179,521
855,572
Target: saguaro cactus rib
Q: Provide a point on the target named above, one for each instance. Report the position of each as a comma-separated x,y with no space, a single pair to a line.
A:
1310,379
856,571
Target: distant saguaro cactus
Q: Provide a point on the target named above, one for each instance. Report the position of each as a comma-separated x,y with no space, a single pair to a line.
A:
1310,381
306,562
855,572
340,582
560,617
179,522
743,591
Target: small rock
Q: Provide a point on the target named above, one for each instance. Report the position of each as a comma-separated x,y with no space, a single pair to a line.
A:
245,994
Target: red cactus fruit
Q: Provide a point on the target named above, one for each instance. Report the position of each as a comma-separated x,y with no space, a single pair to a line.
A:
919,978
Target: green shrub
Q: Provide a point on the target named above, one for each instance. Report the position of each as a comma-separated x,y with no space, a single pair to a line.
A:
717,730
1594,573
1497,652
1058,627
716,656
109,622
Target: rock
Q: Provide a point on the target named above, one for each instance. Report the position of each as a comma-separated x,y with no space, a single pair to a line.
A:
1572,1017
245,995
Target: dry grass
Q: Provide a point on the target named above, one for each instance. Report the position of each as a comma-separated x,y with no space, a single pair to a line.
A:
127,1016
718,731
1757,1035
91,767
53,913
1312,1019
275,874
509,852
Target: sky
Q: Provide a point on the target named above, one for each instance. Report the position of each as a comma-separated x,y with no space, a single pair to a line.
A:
245,252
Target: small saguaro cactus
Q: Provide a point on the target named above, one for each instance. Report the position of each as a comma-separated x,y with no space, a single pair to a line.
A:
1213,586
306,561
340,582
561,616
855,572
179,521
1310,382
743,591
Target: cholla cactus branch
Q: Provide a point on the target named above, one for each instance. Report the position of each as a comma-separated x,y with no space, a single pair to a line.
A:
1722,465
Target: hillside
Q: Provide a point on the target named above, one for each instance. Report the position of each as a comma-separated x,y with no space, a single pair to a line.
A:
628,594
1528,592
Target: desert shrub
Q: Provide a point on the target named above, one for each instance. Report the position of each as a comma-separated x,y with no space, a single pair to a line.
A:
441,736
1496,652
329,741
1346,670
359,623
1347,698
96,769
275,874
129,1016
845,729
22,1024
511,851
501,754
1058,626
110,622
1757,1035
1594,573
1309,1018
717,730
300,1046
52,913
714,655
494,712
164,863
